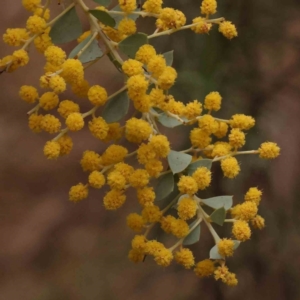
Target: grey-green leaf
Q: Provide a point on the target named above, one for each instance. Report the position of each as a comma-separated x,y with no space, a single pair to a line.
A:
67,28
131,44
169,57
168,121
178,161
116,108
214,253
103,17
164,187
218,216
218,202
194,236
236,244
103,2
199,163
92,52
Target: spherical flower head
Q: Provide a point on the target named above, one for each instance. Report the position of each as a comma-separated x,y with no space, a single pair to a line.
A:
203,177
204,268
237,138
135,222
50,124
114,154
75,121
163,257
72,70
139,242
127,26
31,5
96,180
242,122
254,195
142,104
231,279
146,196
66,107
201,26
145,53
137,86
170,18
28,93
116,180
132,67
185,258
137,130
145,153
15,36
228,29
220,149
187,208
81,88
226,247
230,167
208,7
153,246
36,24
115,132
180,228
139,178
78,192
173,106
52,150
152,6
45,14
99,128
213,101
167,223
221,272
200,138
57,84
268,150
241,230
187,185
66,144
167,79
160,145
193,109
90,161
154,167
156,65
208,124
125,169
136,256
127,5
43,41
245,211
114,199
55,55
20,58
97,95
222,130
151,214
34,122
48,100
258,222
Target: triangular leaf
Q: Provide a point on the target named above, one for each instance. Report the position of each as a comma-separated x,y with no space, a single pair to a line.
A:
169,57
103,17
168,121
131,44
67,28
194,236
178,161
116,108
236,244
103,2
199,163
218,216
214,253
164,187
118,18
91,53
218,202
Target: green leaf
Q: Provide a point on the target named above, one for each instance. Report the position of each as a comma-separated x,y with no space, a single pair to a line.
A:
178,161
131,44
218,216
168,121
67,28
194,236
236,244
164,187
118,18
116,108
214,253
218,202
169,57
103,2
199,163
92,52
103,17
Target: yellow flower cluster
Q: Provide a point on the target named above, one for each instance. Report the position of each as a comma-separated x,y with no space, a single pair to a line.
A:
149,168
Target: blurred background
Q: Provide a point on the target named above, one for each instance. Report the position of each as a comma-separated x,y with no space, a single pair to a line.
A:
52,249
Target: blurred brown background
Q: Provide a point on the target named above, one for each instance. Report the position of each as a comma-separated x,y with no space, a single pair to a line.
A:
54,250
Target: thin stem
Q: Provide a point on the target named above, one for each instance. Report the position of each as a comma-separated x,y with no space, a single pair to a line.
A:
234,154
139,13
34,109
87,45
61,14
229,220
63,132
